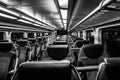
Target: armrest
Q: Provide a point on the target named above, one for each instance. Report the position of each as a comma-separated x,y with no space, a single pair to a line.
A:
11,72
87,68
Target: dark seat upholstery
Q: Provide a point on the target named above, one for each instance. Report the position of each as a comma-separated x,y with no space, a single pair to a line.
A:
59,43
113,48
23,50
58,52
50,70
22,43
80,43
93,50
7,59
109,70
90,54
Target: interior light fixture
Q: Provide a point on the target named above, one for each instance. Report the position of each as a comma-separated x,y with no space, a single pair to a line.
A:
6,10
63,3
110,6
7,16
24,21
65,21
63,13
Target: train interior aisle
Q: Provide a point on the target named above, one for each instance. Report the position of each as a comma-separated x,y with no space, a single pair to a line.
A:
59,39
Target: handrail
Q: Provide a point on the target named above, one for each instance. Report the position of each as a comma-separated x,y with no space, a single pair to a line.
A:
87,68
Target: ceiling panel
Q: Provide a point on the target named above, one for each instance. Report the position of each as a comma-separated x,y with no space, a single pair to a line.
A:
82,8
46,8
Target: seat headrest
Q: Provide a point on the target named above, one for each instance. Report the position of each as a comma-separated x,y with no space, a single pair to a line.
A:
52,70
22,43
57,52
93,50
59,42
112,61
80,43
6,46
4,41
32,40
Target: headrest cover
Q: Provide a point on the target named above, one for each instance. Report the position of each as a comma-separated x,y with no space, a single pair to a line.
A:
58,52
59,42
80,43
6,46
22,43
45,70
93,50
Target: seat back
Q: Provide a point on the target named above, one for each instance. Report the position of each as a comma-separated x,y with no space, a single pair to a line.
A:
109,70
80,43
50,70
90,54
57,52
93,50
7,59
23,54
113,47
59,43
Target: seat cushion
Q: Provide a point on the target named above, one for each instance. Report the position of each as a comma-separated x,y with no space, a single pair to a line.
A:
93,50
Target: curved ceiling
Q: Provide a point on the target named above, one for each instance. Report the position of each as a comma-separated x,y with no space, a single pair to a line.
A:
44,10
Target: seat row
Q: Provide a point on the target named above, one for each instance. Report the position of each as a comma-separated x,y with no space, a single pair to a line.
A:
13,54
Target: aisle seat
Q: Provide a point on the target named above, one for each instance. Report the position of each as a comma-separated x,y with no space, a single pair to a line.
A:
46,70
89,55
109,69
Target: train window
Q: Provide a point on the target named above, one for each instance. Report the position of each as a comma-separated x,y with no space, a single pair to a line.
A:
31,35
61,32
110,39
16,36
90,36
1,35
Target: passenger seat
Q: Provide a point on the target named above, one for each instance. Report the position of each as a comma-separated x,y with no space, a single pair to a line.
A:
8,59
89,55
109,69
46,70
